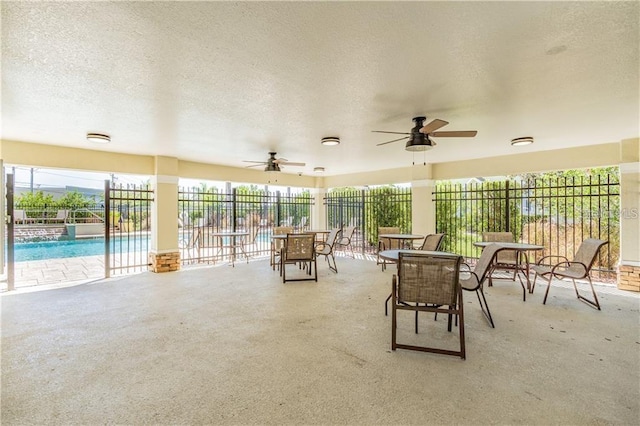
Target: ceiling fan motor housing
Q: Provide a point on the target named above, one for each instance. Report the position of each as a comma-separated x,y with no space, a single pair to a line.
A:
419,141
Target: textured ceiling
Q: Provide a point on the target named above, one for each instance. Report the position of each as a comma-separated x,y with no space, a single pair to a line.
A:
222,82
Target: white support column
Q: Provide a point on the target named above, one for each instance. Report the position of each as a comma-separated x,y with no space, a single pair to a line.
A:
423,211
629,269
165,254
319,209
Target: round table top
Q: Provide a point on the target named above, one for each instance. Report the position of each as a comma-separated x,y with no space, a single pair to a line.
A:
230,234
319,231
511,246
401,236
395,254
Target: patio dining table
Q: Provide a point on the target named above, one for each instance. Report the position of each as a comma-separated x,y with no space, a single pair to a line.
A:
233,240
522,260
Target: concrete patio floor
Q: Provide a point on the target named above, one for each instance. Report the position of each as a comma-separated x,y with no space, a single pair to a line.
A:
222,345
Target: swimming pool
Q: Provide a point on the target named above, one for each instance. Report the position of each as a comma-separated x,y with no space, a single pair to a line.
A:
76,248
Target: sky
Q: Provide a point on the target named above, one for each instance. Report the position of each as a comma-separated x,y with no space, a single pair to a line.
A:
44,178
51,178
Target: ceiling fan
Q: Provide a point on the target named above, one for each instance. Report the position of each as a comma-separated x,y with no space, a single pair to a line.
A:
419,137
273,164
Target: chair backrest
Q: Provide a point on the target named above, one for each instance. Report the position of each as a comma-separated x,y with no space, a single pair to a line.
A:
424,278
483,266
347,234
388,243
506,256
587,253
19,215
327,246
432,242
253,234
299,247
281,230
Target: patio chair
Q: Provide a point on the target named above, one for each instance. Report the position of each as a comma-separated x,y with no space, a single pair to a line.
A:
344,242
302,224
477,277
277,245
507,259
19,216
386,243
250,240
61,217
576,269
191,245
432,284
326,249
299,250
432,242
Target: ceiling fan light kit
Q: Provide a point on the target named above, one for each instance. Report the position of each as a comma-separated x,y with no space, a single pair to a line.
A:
331,141
419,145
273,164
527,140
98,138
419,137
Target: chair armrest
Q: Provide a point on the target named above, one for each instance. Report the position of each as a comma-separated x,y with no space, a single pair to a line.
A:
567,265
539,262
320,246
465,265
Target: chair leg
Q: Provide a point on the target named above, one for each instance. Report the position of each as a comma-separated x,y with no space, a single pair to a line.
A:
484,307
334,268
546,293
594,303
386,305
393,314
463,353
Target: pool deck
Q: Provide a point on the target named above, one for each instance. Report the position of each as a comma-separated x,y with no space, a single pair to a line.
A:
56,272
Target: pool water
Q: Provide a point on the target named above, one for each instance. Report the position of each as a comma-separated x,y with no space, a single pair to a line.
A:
76,248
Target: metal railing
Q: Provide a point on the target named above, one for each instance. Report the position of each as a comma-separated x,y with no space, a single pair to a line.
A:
256,211
128,208
368,209
558,212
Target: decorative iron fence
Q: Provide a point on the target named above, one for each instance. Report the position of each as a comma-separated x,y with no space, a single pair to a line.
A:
368,209
127,231
556,210
255,211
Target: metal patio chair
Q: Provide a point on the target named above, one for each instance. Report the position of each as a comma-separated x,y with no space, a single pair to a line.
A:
477,277
576,269
386,243
326,249
277,245
299,250
507,259
432,242
344,242
432,284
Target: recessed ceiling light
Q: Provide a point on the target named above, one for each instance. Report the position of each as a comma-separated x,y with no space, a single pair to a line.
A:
318,169
527,140
98,138
331,141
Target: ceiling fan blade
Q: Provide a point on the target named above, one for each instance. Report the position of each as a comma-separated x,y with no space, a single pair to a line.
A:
256,165
455,134
289,163
434,125
259,162
393,133
395,140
